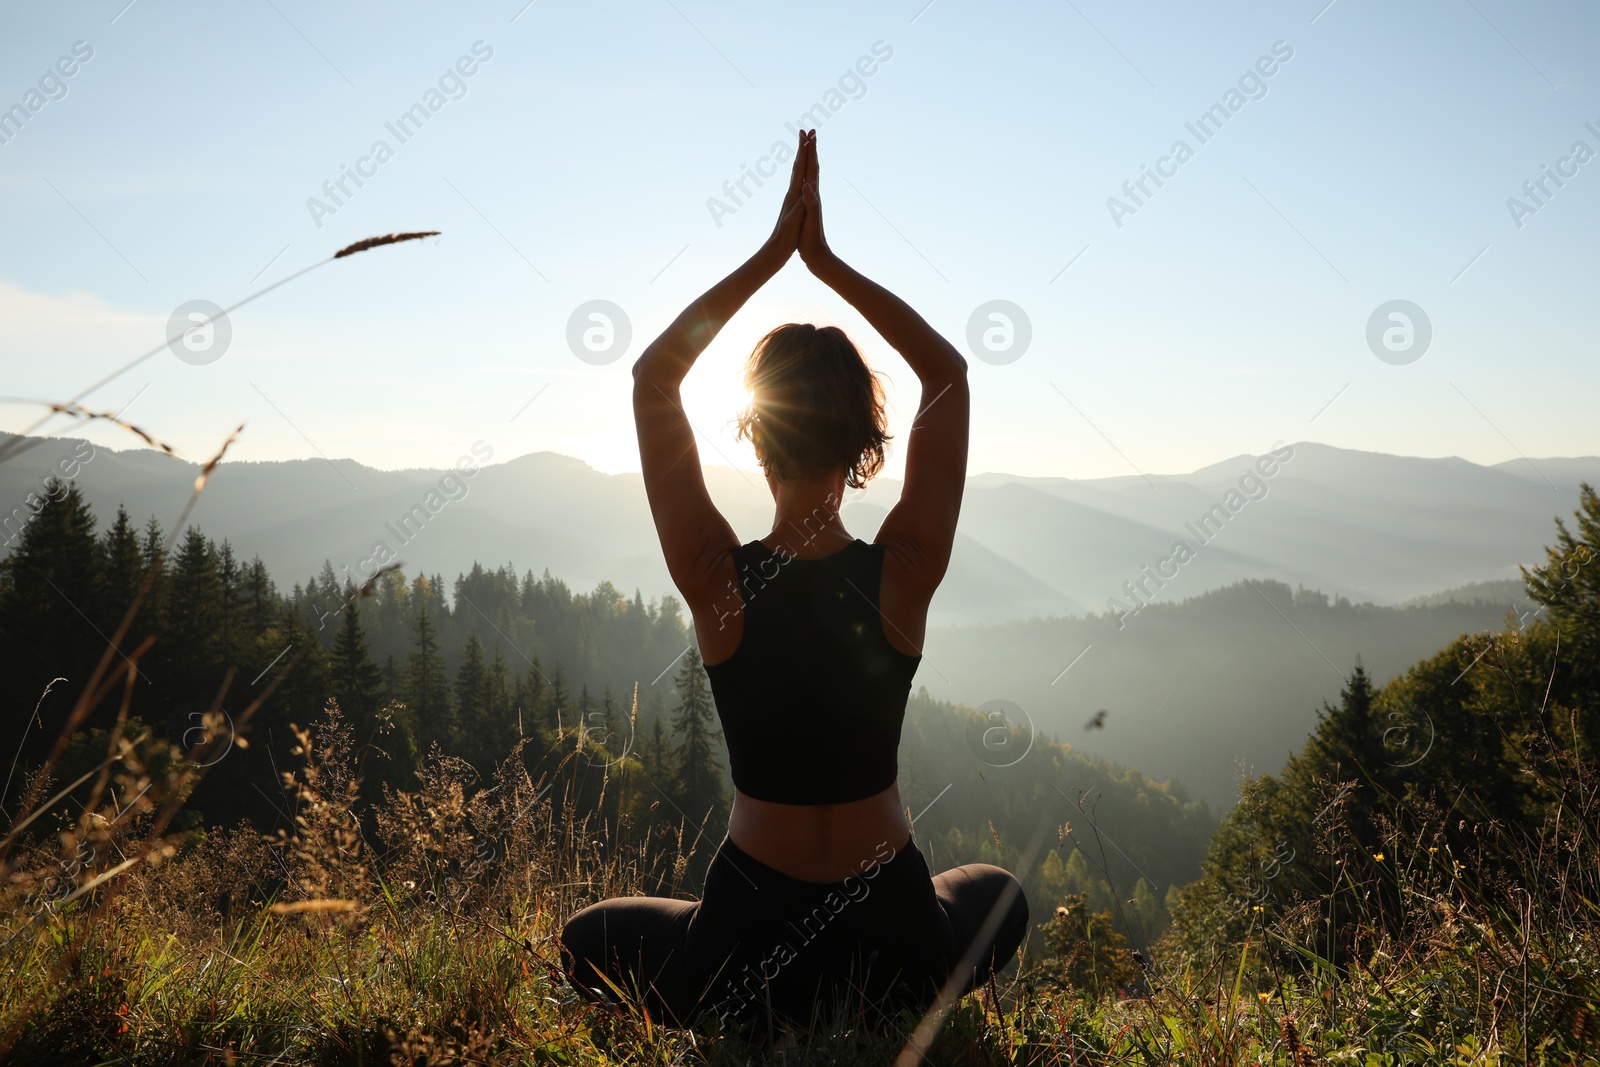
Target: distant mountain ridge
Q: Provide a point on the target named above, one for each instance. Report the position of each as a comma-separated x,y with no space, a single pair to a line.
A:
1509,592
1367,526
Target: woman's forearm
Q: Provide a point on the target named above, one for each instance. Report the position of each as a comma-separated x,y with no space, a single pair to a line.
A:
670,356
932,358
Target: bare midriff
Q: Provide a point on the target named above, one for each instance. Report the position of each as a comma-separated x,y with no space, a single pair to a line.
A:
819,842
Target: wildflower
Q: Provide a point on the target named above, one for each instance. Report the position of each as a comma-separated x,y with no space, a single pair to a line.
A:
1257,907
1061,911
1432,850
1378,856
1264,997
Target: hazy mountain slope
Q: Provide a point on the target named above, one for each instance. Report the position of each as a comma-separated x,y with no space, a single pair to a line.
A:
1364,525
1565,472
1194,690
1510,594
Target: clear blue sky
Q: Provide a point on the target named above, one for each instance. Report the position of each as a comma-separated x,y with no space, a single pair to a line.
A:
973,164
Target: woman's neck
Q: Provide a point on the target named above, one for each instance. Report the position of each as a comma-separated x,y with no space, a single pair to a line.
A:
807,521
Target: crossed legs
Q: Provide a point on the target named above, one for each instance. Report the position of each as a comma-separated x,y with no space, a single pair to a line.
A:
667,955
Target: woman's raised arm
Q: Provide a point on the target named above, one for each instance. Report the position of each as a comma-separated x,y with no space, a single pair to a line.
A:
921,528
693,534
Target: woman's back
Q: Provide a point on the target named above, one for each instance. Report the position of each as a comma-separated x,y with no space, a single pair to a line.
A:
811,696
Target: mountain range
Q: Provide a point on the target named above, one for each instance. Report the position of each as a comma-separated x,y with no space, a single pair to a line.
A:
1366,526
1040,569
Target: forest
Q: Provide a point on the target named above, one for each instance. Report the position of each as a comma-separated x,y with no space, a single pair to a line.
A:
494,662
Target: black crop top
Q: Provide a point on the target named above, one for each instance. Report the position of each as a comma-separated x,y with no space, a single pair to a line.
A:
812,700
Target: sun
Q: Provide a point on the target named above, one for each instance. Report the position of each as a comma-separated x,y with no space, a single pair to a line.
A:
713,397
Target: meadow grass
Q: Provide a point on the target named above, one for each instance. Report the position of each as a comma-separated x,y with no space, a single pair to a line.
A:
425,933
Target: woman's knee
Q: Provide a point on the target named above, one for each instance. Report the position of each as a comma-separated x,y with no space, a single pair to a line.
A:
1014,927
624,935
976,891
583,940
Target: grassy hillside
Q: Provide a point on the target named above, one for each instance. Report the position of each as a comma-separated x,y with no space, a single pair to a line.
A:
434,943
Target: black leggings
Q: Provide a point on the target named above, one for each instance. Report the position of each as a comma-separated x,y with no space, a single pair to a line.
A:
760,941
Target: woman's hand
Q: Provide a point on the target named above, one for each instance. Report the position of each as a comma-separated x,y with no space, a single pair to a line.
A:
919,531
785,236
813,244
696,539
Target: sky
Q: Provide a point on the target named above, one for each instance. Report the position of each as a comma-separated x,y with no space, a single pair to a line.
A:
970,153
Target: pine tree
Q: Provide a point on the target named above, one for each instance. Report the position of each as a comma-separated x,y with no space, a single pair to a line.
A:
122,570
230,583
697,774
357,682
533,712
386,730
1345,754
393,680
51,593
500,726
472,712
613,736
328,595
259,597
556,706
1343,742
392,615
428,692
1568,584
1568,587
154,538
587,729
301,669
291,649
659,770
190,657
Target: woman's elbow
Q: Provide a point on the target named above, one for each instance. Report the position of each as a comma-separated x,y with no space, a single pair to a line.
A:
657,366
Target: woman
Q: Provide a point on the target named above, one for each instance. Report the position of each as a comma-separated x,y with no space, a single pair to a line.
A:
818,896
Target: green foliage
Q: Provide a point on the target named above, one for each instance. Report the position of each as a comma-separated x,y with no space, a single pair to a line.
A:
1469,773
53,605
428,690
1083,952
1568,586
357,684
221,626
977,800
696,775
